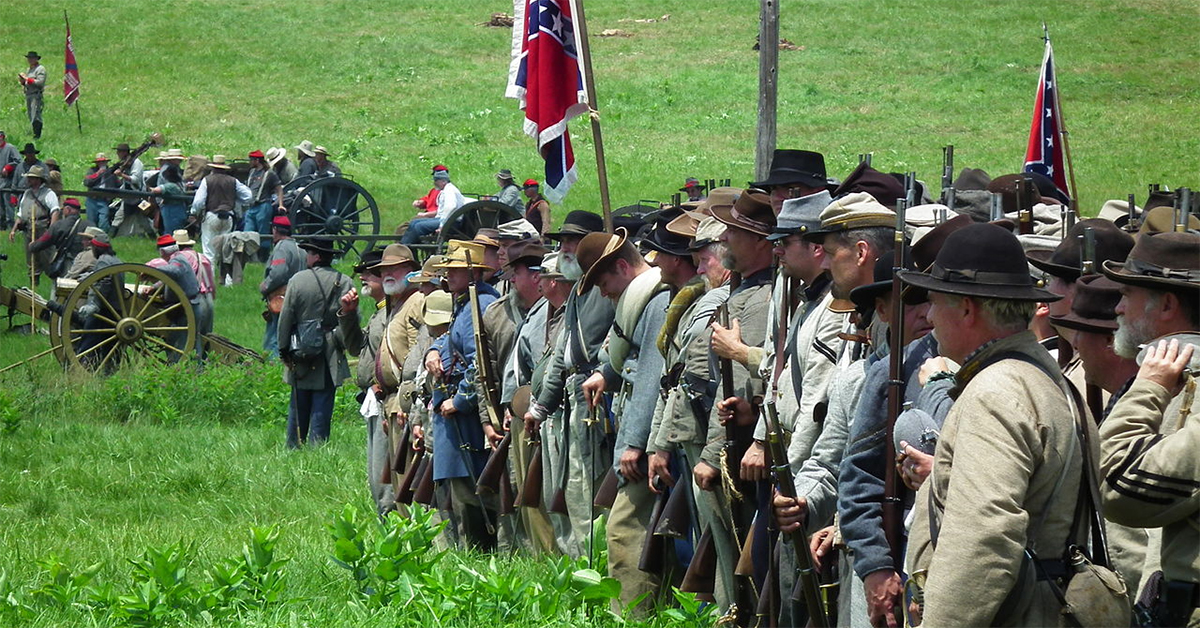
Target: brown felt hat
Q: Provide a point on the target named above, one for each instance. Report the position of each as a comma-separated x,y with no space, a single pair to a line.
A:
528,254
394,255
594,250
1094,307
1065,261
750,212
880,185
1169,262
1161,219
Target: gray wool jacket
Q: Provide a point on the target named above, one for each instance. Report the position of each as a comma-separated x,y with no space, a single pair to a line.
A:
315,294
639,381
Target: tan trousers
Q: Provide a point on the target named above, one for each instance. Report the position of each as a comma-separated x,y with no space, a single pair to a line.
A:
627,524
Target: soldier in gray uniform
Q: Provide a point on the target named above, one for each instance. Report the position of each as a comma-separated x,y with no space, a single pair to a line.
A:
1149,441
286,260
34,83
586,320
320,302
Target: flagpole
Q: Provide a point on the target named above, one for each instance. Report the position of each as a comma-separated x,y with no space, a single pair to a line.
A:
585,52
78,116
1063,135
71,50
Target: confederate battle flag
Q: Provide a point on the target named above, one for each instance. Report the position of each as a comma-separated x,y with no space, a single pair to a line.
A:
1044,154
546,78
71,74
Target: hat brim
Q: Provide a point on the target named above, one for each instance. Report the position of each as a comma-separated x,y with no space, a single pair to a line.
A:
602,263
724,215
433,319
981,290
382,264
570,230
1079,323
306,152
463,264
219,166
864,296
782,178
317,249
1116,271
1041,261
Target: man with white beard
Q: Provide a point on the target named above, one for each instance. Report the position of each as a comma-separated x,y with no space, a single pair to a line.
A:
406,307
587,319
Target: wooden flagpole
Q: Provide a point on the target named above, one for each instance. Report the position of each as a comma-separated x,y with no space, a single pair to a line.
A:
585,53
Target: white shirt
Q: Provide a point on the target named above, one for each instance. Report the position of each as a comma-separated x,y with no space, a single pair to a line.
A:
449,200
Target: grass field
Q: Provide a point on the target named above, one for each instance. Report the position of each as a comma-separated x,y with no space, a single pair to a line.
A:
100,471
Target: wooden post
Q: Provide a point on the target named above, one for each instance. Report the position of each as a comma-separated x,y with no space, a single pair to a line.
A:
589,84
768,69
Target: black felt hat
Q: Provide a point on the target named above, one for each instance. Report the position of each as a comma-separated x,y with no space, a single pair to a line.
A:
980,260
795,166
578,223
1065,260
319,245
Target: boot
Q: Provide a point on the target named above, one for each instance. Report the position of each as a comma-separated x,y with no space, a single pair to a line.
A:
37,129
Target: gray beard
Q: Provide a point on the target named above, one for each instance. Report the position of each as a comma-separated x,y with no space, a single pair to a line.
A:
568,265
1130,336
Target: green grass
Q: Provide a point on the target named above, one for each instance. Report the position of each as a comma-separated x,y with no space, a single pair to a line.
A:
95,472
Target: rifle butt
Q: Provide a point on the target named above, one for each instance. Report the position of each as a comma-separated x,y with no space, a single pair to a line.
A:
495,468
745,563
651,560
507,500
701,575
423,493
676,520
404,495
558,504
531,490
606,495
401,453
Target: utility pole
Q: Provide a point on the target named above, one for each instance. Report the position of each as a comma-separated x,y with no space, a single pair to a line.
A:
768,82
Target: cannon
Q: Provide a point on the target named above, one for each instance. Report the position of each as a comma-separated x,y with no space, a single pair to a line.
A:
332,206
118,314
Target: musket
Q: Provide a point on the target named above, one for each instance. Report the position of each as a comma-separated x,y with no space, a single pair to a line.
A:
496,467
676,519
1068,217
531,490
910,188
1024,207
558,503
701,574
1132,225
1087,251
733,449
893,509
423,492
404,494
997,207
807,581
483,359
653,546
948,175
154,139
1183,196
606,495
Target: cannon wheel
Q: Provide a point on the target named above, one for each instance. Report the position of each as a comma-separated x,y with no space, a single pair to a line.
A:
334,206
464,222
146,316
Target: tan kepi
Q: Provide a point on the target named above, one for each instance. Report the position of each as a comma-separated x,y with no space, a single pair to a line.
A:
859,210
439,305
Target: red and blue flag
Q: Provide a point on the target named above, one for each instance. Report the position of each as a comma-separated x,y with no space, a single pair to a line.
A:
545,76
71,72
1044,154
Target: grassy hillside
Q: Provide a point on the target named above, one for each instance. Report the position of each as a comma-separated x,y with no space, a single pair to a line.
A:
99,470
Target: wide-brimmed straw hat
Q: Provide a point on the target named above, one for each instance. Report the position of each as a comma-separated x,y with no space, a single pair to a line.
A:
981,260
183,238
464,254
218,161
306,148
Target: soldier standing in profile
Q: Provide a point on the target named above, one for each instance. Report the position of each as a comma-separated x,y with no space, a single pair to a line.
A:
34,83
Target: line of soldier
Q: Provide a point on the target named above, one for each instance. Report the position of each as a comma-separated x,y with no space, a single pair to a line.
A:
970,412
